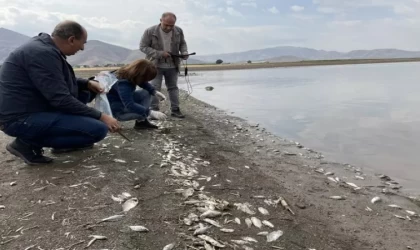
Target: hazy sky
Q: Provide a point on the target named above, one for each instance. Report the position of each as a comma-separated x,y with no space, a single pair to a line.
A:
219,26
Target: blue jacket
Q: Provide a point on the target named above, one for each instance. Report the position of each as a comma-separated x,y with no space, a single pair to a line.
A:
37,78
121,99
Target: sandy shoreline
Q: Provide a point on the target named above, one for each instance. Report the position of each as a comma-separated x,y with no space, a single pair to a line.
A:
87,72
209,157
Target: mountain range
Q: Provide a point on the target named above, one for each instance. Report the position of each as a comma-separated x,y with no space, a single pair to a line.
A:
101,53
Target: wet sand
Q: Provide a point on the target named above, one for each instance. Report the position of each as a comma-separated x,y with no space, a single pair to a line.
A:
209,156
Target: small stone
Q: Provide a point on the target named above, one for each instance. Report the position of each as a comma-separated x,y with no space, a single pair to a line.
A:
301,205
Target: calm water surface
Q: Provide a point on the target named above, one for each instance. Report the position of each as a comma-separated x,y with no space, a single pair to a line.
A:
365,115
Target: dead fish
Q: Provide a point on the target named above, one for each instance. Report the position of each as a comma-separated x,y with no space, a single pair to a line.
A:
249,239
320,170
208,246
376,199
248,222
337,197
130,204
201,230
411,212
95,238
329,174
352,185
210,214
273,236
263,233
238,221
169,247
268,224
13,183
256,222
244,208
113,218
119,161
212,222
332,179
2,207
139,229
240,242
263,211
211,241
227,230
188,193
368,209
359,177
399,217
394,206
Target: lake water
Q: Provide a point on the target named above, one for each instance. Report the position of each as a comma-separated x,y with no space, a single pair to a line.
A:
365,115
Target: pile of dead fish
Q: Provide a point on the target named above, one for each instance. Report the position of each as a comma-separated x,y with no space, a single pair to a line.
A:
210,215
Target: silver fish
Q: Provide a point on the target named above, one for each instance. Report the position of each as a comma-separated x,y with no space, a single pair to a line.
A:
256,222
210,214
268,224
208,246
249,239
248,222
95,238
201,230
227,230
337,197
376,199
240,242
263,211
273,236
139,229
169,247
395,206
263,233
130,204
244,208
113,218
212,222
332,179
211,241
411,212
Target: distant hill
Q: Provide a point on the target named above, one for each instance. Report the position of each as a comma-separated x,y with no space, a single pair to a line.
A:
277,53
10,40
101,53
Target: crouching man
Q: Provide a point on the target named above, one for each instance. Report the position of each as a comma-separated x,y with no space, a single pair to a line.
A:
43,104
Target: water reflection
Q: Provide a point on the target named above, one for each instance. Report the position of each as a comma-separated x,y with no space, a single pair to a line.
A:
362,114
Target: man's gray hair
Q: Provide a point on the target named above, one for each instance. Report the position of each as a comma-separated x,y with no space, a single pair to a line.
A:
166,14
66,29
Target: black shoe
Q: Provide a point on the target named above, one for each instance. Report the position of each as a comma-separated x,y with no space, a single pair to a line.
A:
145,125
68,150
177,113
29,154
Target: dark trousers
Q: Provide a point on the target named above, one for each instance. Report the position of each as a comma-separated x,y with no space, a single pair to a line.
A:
58,130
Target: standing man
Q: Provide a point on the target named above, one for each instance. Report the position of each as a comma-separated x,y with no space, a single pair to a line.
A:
159,42
42,103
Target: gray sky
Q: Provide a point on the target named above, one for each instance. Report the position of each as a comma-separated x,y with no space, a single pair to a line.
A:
220,26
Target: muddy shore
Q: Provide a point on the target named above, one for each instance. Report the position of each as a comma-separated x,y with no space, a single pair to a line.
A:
210,159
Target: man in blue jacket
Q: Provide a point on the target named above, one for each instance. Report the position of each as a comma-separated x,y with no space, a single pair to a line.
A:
43,104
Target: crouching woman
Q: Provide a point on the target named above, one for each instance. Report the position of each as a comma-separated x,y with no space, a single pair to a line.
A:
127,103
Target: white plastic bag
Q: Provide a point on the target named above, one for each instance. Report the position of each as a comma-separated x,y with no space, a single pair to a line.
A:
106,80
